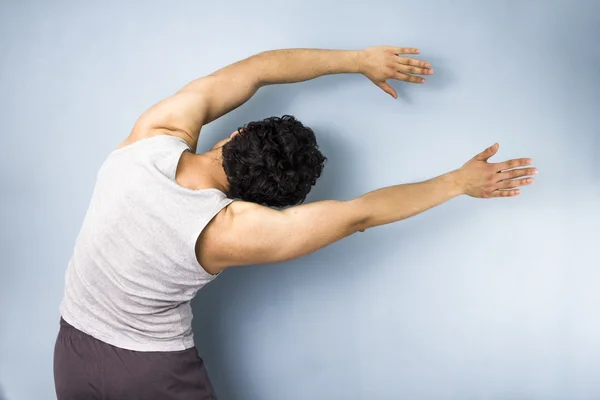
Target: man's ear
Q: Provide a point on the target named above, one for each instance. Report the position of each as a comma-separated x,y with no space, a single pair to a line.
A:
234,134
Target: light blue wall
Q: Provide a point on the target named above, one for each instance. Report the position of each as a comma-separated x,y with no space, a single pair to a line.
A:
477,299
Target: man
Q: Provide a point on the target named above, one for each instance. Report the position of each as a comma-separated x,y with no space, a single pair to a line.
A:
163,222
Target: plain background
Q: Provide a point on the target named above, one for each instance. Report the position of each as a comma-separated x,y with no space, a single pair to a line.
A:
476,299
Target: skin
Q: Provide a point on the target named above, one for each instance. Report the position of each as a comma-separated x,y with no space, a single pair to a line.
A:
246,233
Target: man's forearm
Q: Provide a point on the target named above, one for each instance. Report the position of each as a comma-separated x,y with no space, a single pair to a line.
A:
295,65
399,202
231,86
298,65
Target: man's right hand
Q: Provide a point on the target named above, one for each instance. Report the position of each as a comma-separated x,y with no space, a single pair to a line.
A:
480,179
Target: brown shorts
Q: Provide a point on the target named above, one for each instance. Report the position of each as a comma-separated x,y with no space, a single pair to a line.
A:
87,368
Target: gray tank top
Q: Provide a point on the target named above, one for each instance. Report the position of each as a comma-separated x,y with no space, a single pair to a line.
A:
134,269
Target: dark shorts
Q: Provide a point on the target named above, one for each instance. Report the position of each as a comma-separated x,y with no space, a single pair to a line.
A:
87,368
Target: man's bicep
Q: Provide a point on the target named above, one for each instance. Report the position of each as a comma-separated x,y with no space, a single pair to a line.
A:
196,104
224,91
253,234
181,114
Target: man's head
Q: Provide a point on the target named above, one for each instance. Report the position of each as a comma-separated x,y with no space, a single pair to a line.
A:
273,162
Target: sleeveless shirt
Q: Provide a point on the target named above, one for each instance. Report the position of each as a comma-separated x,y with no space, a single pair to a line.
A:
134,269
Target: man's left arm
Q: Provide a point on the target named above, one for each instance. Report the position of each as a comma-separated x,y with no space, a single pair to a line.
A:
208,98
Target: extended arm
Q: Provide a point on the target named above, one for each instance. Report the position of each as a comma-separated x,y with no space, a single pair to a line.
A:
210,97
247,233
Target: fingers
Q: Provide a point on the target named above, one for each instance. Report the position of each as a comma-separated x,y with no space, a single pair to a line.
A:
487,153
405,50
414,70
409,78
506,193
413,62
388,89
510,164
407,65
516,173
509,184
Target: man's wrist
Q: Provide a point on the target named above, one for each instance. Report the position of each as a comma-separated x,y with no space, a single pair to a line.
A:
456,182
358,61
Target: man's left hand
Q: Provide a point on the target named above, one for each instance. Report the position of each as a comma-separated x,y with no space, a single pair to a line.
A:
381,63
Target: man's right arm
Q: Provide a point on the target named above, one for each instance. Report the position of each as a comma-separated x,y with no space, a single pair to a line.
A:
246,233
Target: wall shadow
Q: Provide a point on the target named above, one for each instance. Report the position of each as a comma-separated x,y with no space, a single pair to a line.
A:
269,101
230,290
218,303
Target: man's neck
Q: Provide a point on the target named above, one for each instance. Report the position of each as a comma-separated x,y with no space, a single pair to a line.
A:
202,171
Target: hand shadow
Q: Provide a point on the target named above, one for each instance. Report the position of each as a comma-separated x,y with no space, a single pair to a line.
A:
442,78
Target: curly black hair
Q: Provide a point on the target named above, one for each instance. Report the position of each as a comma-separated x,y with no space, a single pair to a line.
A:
273,162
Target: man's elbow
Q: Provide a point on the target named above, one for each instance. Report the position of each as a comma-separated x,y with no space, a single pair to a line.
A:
360,219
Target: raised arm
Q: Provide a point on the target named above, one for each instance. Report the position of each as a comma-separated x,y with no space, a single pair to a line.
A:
210,97
247,233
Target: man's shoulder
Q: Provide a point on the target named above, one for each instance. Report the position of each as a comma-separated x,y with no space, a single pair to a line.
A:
229,232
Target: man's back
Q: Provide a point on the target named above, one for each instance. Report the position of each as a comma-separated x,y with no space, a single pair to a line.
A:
134,269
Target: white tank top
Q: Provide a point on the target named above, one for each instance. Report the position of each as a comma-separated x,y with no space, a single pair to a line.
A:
134,270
